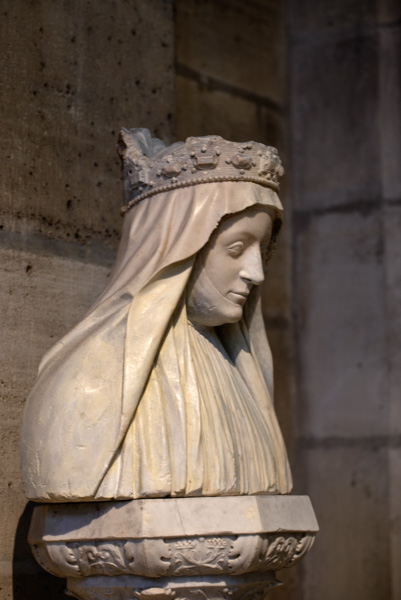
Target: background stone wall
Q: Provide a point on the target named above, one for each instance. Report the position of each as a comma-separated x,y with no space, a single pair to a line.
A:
72,74
345,157
322,82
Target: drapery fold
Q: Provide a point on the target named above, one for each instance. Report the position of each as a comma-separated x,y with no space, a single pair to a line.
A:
80,430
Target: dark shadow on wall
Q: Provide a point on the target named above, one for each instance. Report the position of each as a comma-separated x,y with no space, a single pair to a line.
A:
30,581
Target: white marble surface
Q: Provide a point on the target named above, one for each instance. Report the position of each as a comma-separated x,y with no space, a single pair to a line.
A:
169,517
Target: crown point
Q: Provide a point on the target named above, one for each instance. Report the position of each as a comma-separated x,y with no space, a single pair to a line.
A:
246,161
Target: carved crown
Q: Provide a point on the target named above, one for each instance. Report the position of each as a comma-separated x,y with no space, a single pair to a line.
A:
198,160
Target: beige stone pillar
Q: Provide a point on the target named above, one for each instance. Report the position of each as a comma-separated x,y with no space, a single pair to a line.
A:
72,73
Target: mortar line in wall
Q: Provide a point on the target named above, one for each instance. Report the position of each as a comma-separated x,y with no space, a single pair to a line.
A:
373,442
213,84
340,33
37,243
392,202
367,206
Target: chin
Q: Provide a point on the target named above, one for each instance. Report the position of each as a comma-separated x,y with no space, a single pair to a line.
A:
230,316
227,312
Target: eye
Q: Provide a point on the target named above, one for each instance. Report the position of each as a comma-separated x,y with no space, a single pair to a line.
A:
236,249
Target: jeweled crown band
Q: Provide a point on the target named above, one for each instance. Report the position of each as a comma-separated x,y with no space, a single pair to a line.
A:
199,160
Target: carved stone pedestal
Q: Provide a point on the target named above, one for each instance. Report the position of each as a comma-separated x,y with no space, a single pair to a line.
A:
183,548
186,588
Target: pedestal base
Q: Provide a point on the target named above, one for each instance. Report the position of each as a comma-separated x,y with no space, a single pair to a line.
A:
183,548
246,587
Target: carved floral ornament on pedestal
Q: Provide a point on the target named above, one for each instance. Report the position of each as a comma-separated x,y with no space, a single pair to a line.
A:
150,433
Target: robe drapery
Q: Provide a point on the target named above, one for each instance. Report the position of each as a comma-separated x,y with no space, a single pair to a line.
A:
134,402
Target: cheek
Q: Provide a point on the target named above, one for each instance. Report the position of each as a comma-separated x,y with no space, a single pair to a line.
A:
223,273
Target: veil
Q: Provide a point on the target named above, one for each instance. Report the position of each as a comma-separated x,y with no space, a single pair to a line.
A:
77,418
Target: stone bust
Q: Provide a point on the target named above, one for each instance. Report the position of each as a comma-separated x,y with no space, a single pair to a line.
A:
164,389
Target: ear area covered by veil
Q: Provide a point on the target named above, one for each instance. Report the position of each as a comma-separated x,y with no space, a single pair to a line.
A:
91,382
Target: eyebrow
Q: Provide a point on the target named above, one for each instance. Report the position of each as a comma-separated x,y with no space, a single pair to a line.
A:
246,234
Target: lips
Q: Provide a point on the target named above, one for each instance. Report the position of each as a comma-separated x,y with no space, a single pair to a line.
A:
239,297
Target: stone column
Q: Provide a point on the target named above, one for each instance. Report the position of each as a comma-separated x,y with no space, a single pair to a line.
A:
345,134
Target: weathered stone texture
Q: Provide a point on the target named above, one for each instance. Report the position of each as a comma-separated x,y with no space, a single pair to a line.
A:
395,516
392,229
231,68
340,275
389,12
326,17
235,117
351,557
234,42
336,86
390,111
346,192
41,296
72,74
278,320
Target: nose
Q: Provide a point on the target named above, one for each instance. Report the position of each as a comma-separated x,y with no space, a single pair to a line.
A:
252,266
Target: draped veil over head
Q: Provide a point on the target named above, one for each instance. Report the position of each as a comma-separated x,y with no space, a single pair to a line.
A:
134,402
